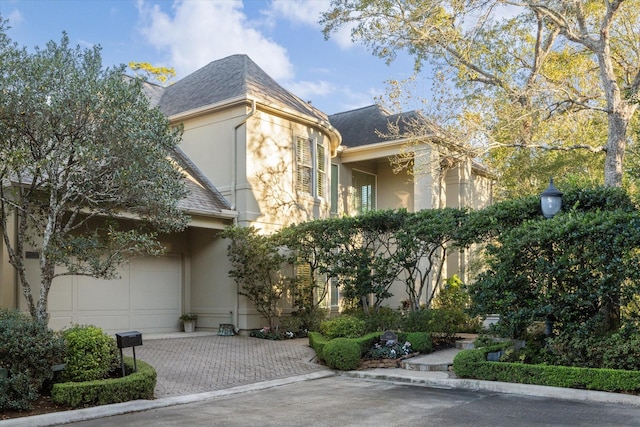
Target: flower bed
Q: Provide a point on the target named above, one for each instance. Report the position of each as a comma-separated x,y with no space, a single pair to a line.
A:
387,354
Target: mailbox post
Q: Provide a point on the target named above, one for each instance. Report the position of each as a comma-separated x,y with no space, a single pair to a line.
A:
129,339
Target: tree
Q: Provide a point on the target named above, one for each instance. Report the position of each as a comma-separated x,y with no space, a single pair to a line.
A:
310,244
575,270
364,255
257,267
423,242
532,75
146,71
80,144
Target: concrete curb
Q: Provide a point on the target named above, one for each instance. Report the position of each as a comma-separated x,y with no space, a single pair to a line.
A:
442,380
95,412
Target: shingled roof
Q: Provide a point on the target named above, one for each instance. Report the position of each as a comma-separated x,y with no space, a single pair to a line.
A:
229,78
202,195
358,127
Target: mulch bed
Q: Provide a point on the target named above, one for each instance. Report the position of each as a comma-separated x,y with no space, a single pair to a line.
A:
41,406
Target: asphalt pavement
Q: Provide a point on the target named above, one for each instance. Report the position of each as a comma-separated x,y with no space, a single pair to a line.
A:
200,366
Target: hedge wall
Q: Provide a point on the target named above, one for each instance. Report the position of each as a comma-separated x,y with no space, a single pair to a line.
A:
473,364
137,385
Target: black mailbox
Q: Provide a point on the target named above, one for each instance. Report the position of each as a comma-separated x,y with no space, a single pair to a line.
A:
129,339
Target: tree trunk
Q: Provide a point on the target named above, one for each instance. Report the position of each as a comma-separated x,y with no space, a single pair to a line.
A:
617,140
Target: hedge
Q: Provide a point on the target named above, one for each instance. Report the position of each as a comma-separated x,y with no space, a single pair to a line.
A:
136,385
318,342
342,353
473,364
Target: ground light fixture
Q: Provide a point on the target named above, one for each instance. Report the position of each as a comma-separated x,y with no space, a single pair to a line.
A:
551,200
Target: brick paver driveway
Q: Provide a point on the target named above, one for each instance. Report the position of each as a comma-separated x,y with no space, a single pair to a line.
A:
202,363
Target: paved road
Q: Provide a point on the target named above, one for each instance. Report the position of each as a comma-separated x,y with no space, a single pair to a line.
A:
340,401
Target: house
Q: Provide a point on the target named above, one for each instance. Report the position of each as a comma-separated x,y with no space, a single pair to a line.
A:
253,154
366,177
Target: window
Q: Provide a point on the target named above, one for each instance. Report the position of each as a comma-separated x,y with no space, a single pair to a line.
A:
364,191
311,176
321,173
334,189
335,292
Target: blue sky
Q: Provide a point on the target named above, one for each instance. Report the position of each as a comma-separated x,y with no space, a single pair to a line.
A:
281,36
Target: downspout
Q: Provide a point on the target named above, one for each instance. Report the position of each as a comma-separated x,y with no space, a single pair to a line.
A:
234,195
234,162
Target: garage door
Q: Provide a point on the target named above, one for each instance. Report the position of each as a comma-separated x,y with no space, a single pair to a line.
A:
147,297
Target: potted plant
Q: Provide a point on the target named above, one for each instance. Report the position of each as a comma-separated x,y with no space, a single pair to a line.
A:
189,321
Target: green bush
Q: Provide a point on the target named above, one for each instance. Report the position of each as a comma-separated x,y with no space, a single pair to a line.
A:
416,321
383,319
616,351
91,354
622,353
343,327
342,353
303,321
136,385
474,364
28,350
317,341
420,341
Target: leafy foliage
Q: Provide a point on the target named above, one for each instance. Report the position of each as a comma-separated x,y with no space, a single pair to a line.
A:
384,319
135,385
161,74
342,353
420,341
574,270
389,350
424,239
474,364
256,265
366,254
28,350
91,354
343,327
530,81
79,144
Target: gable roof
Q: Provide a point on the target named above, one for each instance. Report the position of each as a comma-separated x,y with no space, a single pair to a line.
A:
235,76
358,127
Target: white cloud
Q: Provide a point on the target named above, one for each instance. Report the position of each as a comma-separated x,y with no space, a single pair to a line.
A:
302,11
308,90
308,12
15,17
195,33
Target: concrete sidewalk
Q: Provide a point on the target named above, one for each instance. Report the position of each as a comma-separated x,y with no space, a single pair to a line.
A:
202,366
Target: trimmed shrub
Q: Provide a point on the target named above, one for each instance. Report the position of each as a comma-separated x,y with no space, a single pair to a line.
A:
474,364
28,350
136,385
317,341
343,327
91,354
420,341
342,353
